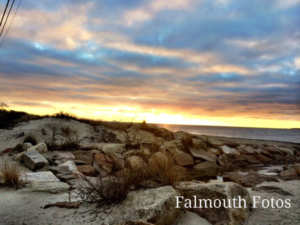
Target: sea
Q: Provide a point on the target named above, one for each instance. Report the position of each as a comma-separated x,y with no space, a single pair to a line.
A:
285,135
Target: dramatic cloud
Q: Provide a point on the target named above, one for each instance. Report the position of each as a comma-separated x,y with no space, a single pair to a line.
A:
224,62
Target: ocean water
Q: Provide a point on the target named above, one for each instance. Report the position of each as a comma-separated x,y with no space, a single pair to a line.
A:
286,135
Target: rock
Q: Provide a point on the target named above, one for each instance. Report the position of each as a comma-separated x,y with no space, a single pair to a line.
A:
158,159
41,148
87,170
135,163
171,146
262,158
251,159
86,156
113,148
199,153
115,154
137,136
34,160
216,191
68,167
45,176
290,173
102,163
248,179
228,150
183,159
286,151
209,169
44,181
297,168
155,206
50,187
61,157
19,156
213,141
190,218
199,143
26,146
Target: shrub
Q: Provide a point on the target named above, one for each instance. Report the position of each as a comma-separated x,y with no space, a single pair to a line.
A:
105,192
11,174
65,115
10,118
163,170
71,137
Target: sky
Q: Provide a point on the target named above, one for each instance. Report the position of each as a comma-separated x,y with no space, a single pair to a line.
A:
221,62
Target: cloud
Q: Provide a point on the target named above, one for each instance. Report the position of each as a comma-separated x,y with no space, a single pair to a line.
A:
147,12
195,58
287,3
297,63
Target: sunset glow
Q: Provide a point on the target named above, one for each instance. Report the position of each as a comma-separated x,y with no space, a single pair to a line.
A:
220,63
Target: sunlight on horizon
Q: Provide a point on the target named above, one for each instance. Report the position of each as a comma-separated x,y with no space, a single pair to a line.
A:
134,114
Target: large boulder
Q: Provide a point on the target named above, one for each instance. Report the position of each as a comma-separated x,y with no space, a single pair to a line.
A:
41,148
209,169
135,163
137,136
34,160
155,206
112,148
183,159
228,150
103,163
68,167
62,157
211,197
201,154
87,170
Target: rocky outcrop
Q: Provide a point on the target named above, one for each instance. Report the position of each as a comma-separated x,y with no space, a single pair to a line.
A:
214,193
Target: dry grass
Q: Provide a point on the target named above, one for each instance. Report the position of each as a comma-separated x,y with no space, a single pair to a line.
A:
106,191
163,170
11,174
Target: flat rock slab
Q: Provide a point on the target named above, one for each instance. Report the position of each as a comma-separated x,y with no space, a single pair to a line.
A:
44,182
45,176
50,187
34,160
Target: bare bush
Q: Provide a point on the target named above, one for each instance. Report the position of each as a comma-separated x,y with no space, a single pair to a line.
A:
162,169
11,174
105,191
